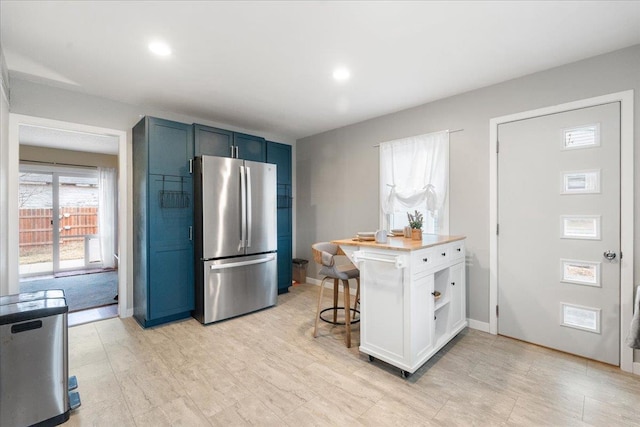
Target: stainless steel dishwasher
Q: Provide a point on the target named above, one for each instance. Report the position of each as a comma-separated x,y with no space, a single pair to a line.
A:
34,379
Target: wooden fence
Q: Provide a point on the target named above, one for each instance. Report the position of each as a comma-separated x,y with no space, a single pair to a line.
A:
36,228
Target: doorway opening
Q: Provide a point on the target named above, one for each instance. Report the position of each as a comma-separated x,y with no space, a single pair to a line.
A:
67,202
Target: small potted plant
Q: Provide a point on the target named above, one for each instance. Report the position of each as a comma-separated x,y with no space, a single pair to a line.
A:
415,222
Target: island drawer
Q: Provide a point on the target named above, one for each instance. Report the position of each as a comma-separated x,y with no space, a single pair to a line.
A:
423,260
457,251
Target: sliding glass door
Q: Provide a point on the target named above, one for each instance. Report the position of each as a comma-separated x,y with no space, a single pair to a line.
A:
58,220
35,203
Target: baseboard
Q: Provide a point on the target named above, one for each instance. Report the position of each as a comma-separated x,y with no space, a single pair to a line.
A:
636,368
480,326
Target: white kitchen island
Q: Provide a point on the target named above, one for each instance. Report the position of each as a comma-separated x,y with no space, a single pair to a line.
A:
403,320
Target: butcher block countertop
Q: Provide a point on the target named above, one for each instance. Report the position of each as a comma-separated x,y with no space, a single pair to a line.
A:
401,243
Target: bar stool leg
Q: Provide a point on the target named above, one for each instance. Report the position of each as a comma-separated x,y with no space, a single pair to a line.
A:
315,328
335,300
357,301
347,306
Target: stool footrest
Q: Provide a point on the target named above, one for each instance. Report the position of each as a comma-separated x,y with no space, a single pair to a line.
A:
339,308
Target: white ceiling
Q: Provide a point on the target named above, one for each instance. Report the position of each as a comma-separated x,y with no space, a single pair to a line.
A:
267,66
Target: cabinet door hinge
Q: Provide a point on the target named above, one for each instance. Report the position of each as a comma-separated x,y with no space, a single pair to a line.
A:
190,165
620,254
497,147
497,229
497,311
190,232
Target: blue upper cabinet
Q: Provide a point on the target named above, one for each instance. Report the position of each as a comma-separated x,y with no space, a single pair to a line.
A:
249,147
170,147
212,141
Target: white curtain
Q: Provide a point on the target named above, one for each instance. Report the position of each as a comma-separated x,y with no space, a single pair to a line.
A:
414,173
107,215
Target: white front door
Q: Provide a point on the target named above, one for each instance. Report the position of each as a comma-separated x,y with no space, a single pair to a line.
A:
559,231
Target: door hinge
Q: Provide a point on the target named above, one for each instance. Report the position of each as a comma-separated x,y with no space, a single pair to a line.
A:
497,229
190,165
620,254
497,147
190,232
497,311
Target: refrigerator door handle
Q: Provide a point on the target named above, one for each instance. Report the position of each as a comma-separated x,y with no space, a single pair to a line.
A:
243,207
249,210
242,263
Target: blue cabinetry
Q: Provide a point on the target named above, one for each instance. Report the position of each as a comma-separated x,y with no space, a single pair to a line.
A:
220,142
209,141
249,147
280,154
163,266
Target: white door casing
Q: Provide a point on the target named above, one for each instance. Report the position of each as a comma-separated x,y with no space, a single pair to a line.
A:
125,308
626,207
558,212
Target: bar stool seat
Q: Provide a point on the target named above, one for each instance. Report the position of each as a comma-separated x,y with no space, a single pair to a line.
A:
324,253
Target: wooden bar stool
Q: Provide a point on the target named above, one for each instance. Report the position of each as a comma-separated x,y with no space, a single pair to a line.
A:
324,254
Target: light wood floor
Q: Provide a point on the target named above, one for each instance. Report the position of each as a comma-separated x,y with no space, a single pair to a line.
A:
266,369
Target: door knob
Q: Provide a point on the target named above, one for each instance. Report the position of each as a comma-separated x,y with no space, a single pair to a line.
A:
610,255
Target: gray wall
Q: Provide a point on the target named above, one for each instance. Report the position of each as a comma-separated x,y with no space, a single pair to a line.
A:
338,170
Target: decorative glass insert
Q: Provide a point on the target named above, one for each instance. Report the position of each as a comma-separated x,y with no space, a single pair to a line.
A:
581,272
581,182
586,136
575,316
580,227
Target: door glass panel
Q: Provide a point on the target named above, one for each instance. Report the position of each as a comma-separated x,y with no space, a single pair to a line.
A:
35,229
581,227
578,317
581,272
78,216
582,137
583,182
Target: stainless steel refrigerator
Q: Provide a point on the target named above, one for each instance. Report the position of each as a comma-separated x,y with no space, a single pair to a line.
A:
235,237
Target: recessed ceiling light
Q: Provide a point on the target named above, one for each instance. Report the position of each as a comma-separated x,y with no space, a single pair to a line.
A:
341,74
160,48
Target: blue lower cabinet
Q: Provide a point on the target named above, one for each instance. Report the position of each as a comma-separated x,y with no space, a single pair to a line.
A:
285,267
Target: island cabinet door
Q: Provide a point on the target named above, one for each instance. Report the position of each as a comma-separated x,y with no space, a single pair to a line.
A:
382,312
456,285
421,316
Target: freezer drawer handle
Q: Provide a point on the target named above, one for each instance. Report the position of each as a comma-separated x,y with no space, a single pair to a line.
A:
26,326
243,263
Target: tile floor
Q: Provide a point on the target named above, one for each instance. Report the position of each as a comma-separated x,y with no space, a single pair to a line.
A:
266,369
